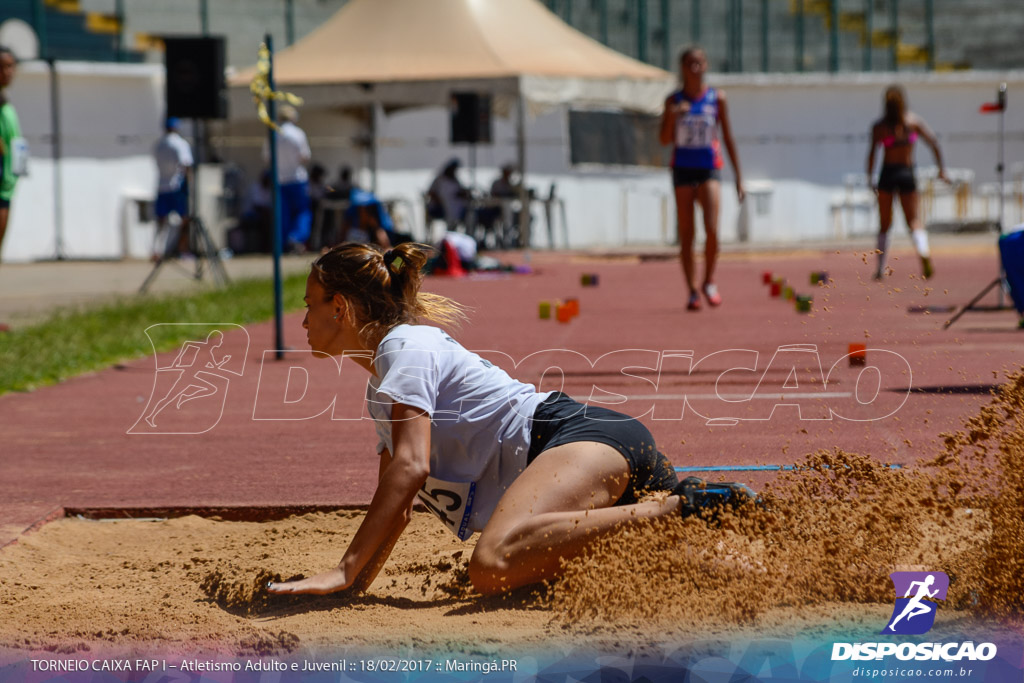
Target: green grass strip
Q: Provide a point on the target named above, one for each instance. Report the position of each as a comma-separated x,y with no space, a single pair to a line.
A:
73,341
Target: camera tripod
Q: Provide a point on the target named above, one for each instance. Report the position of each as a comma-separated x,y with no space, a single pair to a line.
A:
999,283
200,245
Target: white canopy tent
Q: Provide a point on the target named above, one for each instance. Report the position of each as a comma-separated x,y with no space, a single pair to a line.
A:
408,53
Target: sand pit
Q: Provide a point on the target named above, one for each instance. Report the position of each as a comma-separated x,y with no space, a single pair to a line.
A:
193,584
815,561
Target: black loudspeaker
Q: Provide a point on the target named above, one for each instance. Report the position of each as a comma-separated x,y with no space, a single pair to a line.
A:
195,78
471,117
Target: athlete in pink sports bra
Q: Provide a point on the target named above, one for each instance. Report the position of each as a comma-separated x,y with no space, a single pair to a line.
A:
896,132
891,141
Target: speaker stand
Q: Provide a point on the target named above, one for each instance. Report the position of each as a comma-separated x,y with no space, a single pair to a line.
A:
202,248
200,244
1000,281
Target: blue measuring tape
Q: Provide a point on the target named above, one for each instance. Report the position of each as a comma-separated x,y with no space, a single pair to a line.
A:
755,468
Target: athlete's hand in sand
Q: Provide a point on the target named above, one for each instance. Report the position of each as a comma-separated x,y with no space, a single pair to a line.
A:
321,584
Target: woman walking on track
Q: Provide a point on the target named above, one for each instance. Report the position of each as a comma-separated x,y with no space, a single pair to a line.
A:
896,132
539,475
691,123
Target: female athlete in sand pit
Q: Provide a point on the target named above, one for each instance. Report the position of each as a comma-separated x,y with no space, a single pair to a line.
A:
537,474
896,132
690,123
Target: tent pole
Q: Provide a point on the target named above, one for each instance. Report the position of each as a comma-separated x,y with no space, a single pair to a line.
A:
524,213
58,171
373,147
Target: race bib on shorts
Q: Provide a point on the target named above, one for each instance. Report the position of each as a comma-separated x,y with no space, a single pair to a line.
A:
451,501
696,131
19,156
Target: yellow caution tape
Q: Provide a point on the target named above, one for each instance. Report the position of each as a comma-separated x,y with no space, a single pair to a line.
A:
261,91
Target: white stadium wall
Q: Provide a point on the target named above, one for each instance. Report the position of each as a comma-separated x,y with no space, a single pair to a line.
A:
802,141
808,137
110,118
803,144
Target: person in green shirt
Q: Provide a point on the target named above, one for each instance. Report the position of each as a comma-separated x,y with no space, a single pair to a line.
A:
10,138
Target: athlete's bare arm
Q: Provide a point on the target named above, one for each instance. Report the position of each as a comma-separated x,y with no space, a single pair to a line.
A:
928,136
875,136
667,133
401,479
379,558
730,146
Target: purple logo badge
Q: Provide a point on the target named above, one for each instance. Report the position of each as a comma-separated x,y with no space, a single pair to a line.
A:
914,613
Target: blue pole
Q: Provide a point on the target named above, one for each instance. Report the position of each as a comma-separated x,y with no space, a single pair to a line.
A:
289,22
800,35
641,30
764,35
730,35
695,21
929,22
739,35
894,23
119,12
869,32
833,51
276,197
603,21
204,17
666,36
39,24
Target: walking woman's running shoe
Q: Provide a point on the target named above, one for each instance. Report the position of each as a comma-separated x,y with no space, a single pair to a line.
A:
927,269
711,292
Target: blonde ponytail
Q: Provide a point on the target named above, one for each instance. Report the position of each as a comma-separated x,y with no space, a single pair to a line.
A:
384,288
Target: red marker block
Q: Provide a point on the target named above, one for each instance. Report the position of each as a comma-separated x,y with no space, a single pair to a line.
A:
574,306
858,354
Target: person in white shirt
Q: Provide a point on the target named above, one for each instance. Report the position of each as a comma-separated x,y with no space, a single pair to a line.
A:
293,155
174,161
539,475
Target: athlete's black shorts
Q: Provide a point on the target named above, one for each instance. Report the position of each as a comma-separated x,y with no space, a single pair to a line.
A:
560,420
693,177
5,203
897,178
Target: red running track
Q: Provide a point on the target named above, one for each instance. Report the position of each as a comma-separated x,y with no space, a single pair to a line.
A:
68,446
